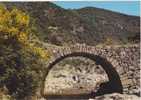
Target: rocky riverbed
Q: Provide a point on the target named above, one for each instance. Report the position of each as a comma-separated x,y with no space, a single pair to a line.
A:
116,96
113,96
75,75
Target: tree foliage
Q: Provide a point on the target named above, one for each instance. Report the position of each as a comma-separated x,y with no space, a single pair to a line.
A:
20,65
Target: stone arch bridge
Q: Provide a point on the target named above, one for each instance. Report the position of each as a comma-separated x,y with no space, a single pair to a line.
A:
121,63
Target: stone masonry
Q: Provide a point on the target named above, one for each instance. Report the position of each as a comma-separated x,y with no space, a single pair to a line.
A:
124,59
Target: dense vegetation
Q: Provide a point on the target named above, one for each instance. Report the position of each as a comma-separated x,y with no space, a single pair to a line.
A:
20,56
87,25
21,52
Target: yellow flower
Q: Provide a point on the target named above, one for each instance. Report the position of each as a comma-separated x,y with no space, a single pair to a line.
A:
16,23
13,30
22,37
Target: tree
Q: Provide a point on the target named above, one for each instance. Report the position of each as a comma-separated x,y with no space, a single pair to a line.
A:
20,66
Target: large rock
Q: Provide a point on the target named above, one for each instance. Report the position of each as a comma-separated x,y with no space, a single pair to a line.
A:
116,96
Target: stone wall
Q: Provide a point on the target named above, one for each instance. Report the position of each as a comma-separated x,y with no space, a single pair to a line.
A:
124,59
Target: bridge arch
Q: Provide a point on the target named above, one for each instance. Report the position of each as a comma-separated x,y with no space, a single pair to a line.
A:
113,85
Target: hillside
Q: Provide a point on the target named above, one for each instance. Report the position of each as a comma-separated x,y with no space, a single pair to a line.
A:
31,32
87,25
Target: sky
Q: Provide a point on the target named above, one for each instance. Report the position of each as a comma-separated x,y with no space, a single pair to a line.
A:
126,7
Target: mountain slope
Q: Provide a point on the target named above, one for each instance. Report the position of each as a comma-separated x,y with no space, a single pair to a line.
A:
118,26
87,25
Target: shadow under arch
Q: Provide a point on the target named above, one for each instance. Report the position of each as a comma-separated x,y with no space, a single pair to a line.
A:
113,85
